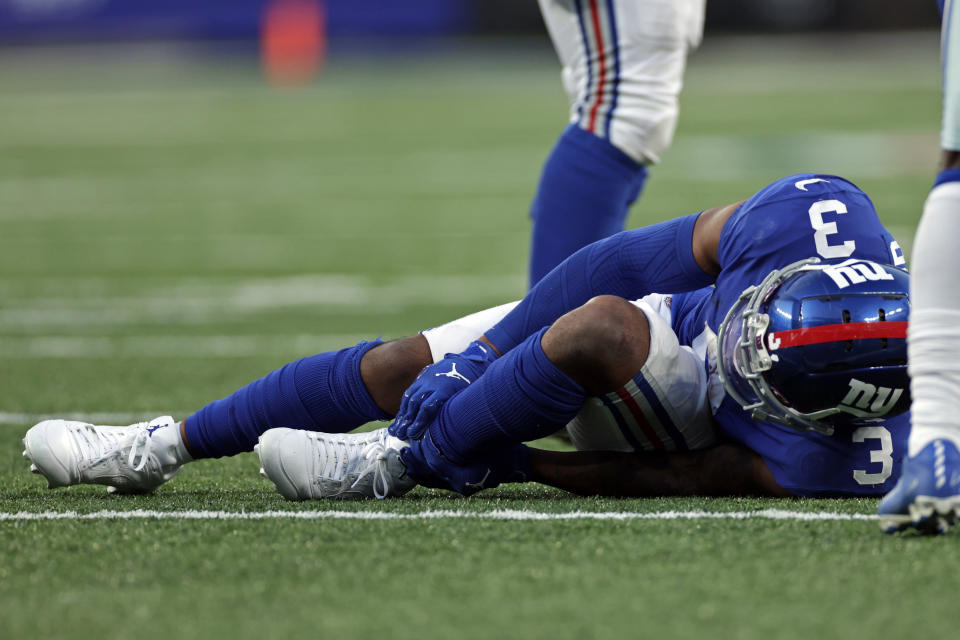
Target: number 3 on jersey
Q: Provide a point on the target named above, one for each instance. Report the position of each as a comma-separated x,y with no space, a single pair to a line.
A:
822,229
882,455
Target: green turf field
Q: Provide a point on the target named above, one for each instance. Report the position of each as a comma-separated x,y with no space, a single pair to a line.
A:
172,230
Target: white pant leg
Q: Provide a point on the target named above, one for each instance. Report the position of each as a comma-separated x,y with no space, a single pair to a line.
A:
950,55
933,341
455,336
623,64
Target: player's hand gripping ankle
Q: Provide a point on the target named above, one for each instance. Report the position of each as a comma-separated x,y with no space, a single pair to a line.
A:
435,385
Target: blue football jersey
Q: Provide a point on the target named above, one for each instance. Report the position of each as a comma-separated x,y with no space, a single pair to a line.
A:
798,217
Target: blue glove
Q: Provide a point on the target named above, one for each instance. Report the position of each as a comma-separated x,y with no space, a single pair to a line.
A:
427,465
435,385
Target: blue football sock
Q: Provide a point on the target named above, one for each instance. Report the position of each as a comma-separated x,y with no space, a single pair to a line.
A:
585,190
323,392
521,397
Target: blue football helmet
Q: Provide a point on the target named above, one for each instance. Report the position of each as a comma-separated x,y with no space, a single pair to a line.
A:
816,346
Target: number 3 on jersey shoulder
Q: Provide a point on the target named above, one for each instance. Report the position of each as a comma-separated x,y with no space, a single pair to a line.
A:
822,229
882,455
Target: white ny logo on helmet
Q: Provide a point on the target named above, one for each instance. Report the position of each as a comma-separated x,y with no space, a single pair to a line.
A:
867,400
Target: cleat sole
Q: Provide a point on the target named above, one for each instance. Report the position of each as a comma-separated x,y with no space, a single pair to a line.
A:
940,513
928,515
894,523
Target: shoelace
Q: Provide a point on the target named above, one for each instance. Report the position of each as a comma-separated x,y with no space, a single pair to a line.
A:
379,468
96,443
347,450
142,444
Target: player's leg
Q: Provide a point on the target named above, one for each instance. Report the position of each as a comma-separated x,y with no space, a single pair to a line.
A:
334,391
612,370
650,395
927,496
928,493
623,66
305,465
664,407
530,392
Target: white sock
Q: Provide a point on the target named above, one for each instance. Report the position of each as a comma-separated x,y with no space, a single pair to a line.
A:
173,443
934,352
182,453
934,335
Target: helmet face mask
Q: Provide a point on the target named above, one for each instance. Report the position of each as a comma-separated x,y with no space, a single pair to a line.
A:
817,346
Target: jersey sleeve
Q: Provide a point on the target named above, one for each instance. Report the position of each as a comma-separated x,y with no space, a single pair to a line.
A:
631,264
686,319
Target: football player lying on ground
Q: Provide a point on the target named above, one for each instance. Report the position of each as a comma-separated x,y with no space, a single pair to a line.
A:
785,377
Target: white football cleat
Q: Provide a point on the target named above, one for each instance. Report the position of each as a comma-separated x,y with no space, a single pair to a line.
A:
134,459
306,465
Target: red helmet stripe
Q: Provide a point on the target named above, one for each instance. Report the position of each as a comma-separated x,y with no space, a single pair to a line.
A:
836,333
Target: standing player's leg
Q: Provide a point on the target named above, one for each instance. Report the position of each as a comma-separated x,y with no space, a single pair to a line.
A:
623,64
928,494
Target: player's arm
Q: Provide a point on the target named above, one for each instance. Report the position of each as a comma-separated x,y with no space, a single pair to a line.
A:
673,256
725,470
706,237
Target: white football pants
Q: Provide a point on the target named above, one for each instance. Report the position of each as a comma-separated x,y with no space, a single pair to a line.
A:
623,63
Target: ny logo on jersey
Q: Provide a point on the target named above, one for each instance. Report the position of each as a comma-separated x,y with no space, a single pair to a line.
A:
453,373
867,400
851,272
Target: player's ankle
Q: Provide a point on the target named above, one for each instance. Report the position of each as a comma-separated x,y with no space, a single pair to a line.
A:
183,450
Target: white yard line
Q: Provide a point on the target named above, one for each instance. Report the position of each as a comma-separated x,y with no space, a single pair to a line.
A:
497,514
